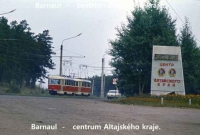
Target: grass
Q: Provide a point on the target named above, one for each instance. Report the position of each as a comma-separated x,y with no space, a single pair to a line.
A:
168,101
6,89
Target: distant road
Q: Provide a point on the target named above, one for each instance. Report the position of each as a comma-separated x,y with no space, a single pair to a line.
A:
17,113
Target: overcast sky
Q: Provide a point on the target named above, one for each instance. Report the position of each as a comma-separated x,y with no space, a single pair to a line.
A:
95,19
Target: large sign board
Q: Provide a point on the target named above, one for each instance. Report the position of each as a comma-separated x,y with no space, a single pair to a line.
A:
167,71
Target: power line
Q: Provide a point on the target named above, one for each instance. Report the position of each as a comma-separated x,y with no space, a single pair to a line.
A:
94,63
86,69
9,39
174,11
86,64
19,58
91,66
17,43
8,12
70,56
56,50
73,52
12,50
179,16
99,67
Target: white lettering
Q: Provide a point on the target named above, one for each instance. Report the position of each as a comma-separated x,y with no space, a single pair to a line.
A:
150,127
43,127
86,127
39,5
32,126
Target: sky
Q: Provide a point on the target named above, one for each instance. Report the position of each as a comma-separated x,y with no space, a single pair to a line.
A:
95,19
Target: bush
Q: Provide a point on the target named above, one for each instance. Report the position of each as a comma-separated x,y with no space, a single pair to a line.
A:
169,100
13,89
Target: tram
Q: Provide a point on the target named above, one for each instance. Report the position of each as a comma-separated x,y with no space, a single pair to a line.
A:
68,86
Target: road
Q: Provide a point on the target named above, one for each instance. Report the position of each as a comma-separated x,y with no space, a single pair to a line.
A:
18,113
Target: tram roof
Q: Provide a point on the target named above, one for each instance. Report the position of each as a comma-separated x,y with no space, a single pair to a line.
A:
56,77
68,78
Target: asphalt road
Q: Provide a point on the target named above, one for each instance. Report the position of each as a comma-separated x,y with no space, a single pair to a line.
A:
74,115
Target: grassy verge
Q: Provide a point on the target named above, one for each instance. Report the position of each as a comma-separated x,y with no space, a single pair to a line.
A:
168,101
6,89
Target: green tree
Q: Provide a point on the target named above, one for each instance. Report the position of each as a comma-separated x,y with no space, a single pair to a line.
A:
132,50
191,59
97,85
44,52
25,59
108,84
4,33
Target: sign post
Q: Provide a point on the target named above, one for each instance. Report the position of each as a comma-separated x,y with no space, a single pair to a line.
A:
167,71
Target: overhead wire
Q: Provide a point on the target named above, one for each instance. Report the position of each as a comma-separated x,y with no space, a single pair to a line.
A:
180,17
73,52
19,57
14,50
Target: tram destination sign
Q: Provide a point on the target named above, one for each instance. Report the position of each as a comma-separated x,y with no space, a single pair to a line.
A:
166,57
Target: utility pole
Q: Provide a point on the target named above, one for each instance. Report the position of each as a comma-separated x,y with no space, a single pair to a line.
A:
61,50
104,82
102,79
93,86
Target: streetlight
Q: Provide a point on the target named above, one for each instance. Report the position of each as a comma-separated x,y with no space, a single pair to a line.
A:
8,12
61,51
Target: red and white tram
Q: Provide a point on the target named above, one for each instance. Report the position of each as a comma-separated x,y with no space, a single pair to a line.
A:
66,85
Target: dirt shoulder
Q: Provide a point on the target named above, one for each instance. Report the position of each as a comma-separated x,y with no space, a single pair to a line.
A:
17,113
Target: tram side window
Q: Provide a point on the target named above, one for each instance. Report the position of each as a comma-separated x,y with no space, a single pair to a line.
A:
54,81
88,84
67,82
75,83
83,84
72,83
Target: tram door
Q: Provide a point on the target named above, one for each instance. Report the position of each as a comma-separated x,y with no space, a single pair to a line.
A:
62,83
79,86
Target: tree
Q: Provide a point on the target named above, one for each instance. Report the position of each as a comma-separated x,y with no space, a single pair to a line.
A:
97,85
191,59
4,32
25,59
44,54
108,84
132,50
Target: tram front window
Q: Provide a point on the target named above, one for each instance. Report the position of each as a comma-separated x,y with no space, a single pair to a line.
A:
54,81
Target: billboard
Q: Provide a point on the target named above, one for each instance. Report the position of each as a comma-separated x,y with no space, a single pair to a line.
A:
167,71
